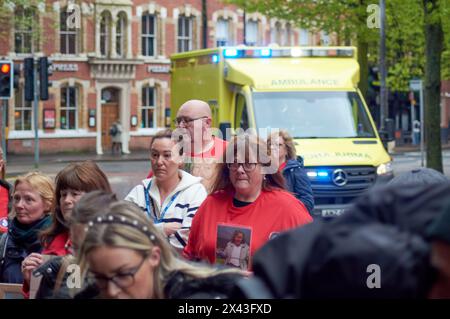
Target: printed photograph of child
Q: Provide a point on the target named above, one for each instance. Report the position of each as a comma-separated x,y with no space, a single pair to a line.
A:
233,246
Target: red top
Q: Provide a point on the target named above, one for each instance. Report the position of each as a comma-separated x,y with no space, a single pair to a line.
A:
282,166
4,200
59,246
273,211
214,152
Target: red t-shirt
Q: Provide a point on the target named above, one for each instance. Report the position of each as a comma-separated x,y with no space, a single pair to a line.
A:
216,151
272,212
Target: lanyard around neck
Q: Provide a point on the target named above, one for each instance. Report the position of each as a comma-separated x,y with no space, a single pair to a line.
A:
148,208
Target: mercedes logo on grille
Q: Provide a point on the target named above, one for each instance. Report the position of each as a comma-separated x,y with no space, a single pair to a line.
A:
339,177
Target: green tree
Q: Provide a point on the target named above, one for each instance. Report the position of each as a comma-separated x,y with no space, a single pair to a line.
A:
9,19
346,18
434,42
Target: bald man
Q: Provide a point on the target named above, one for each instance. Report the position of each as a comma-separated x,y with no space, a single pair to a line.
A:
204,150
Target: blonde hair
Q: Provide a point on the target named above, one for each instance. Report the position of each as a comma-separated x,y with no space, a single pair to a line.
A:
288,142
42,184
139,234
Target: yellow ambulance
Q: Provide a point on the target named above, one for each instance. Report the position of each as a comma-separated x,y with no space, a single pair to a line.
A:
309,91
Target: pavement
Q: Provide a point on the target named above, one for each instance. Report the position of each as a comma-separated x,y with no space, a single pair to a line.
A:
18,164
409,148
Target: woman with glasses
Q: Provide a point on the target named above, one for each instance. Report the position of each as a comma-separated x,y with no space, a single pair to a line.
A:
172,196
125,256
297,182
72,182
249,193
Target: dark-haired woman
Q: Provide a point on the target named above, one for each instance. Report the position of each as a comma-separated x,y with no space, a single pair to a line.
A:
72,182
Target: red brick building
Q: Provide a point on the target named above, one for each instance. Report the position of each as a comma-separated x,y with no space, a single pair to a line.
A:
111,61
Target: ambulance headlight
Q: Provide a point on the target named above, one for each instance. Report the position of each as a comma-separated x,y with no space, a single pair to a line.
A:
384,169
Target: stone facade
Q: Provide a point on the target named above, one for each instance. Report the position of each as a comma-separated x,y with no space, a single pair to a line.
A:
116,53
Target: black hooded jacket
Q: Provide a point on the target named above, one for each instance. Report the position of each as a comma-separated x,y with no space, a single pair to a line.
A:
386,228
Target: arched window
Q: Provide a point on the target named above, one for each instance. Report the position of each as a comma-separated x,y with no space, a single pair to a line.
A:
148,107
278,34
148,34
68,36
184,33
304,37
324,38
25,40
251,33
223,32
105,34
69,107
22,111
288,35
121,34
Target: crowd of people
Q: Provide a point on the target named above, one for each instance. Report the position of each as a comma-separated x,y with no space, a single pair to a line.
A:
212,220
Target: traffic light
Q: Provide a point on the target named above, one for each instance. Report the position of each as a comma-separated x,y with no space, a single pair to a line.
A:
6,79
29,78
44,74
16,76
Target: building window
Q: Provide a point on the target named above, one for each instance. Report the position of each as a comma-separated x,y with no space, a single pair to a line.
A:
324,38
121,34
251,33
148,107
288,37
24,22
22,111
69,106
105,34
277,34
148,35
222,32
184,34
304,37
68,36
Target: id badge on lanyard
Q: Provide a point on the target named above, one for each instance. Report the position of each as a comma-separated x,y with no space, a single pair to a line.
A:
149,207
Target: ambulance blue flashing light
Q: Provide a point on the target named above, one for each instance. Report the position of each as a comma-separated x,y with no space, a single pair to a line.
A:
322,174
230,53
312,174
286,53
266,52
317,174
215,58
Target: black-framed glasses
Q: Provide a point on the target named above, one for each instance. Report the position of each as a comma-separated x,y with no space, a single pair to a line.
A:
121,280
248,167
187,120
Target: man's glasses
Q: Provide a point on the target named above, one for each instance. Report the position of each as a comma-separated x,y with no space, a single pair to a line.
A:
187,120
121,280
248,167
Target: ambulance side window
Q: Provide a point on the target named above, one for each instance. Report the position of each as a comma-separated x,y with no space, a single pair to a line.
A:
241,116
